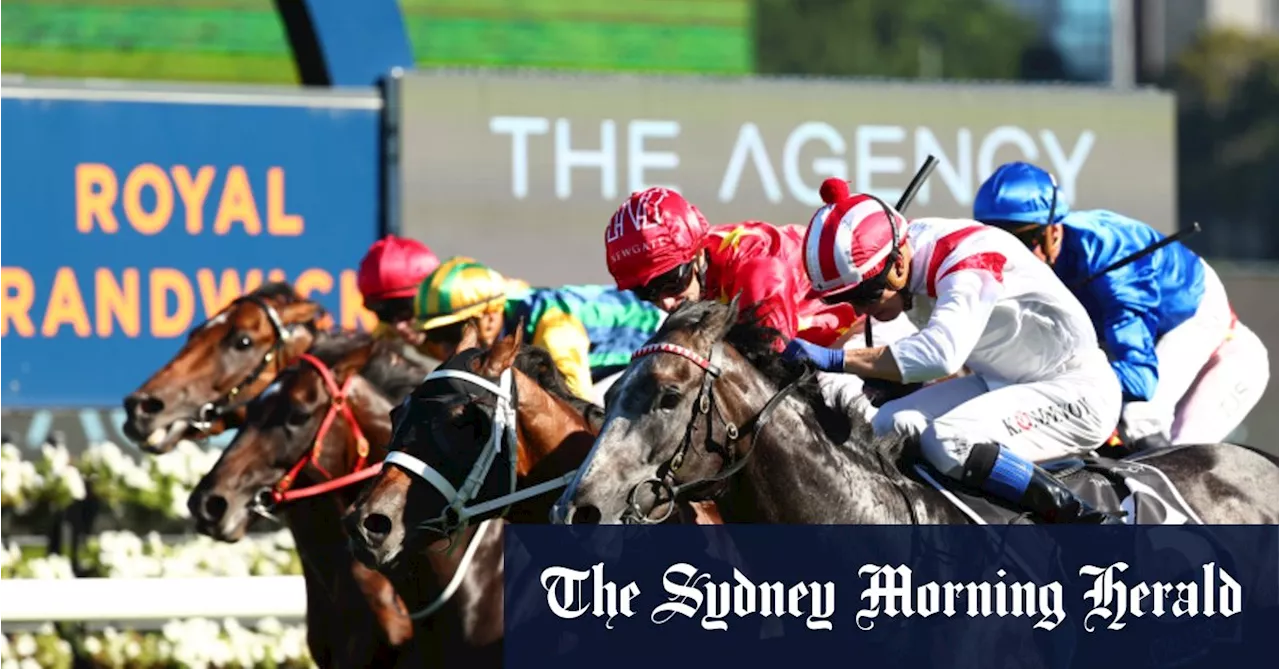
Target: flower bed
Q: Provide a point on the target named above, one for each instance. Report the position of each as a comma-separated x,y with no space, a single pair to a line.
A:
196,642
145,494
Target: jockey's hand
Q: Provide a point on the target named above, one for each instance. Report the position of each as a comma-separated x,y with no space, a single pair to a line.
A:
879,391
825,359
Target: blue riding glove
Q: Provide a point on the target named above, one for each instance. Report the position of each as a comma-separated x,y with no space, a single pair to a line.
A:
825,359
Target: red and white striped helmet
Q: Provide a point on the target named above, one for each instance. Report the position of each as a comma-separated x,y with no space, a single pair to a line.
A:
849,240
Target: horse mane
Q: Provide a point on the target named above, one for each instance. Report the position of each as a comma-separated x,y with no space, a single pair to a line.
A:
276,290
536,363
387,370
755,341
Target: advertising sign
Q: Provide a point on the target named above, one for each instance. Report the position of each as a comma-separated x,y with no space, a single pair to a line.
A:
539,163
132,215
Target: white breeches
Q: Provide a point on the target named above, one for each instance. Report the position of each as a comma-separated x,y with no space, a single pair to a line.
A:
1210,375
1073,412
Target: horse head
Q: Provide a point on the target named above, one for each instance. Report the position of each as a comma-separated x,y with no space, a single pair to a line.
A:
488,433
313,431
686,416
224,364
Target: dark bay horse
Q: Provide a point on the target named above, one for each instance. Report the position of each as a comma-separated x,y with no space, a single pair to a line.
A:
308,443
713,412
225,363
503,418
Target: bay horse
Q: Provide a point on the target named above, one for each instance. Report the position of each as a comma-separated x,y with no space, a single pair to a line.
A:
308,442
224,364
510,398
710,411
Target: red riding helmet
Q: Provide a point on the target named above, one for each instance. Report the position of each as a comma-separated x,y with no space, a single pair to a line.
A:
393,267
653,232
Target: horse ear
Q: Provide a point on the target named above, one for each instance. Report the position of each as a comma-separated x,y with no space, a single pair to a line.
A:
470,336
300,312
353,362
503,353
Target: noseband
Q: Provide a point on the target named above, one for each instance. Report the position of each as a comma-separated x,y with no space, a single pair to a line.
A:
211,411
459,509
705,405
283,490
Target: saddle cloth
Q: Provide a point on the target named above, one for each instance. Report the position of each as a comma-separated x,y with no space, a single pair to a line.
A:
1142,492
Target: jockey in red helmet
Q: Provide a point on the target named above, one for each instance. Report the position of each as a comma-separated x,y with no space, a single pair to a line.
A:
1040,387
659,246
388,279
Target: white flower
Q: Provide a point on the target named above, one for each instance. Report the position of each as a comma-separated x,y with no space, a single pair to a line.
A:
29,663
24,645
74,482
93,645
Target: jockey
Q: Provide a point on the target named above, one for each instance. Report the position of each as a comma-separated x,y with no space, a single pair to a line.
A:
1189,370
660,247
1040,387
590,331
388,279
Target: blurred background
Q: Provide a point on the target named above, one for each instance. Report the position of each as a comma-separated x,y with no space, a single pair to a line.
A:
508,130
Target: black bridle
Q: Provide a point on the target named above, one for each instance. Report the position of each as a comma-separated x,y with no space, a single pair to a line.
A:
228,402
706,405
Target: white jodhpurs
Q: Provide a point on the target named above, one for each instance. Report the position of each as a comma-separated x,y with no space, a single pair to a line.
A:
1225,391
1204,386
1071,413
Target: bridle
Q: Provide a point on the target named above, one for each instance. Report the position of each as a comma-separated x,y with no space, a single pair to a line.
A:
704,405
283,491
459,509
461,506
219,408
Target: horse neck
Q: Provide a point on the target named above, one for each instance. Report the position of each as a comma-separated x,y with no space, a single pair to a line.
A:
339,456
477,603
797,474
553,440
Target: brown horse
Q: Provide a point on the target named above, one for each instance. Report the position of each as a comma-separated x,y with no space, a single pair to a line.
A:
308,443
224,364
508,401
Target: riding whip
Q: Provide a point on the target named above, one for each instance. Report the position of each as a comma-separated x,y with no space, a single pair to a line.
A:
903,202
1138,255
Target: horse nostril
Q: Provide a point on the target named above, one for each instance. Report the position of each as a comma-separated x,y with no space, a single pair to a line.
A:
213,508
584,515
141,404
376,527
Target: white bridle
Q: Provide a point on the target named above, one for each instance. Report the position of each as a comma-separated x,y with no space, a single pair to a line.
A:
459,510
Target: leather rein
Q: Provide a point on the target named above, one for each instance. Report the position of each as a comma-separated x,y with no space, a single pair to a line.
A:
704,405
283,491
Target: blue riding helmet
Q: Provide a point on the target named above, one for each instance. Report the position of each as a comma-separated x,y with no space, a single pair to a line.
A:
1021,193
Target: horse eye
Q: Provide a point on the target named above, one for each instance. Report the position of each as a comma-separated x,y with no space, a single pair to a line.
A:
669,400
297,417
244,342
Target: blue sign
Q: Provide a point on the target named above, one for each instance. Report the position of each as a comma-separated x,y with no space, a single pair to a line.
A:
890,596
127,223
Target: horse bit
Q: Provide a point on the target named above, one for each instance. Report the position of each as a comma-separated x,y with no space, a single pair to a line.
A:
211,411
705,405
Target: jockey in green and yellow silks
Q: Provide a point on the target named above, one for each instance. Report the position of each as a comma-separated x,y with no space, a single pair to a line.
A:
590,331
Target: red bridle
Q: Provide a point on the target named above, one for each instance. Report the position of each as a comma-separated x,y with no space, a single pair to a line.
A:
337,404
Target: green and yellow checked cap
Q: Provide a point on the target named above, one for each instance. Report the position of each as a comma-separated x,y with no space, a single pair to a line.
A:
460,288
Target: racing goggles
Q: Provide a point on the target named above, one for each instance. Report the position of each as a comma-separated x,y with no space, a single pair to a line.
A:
1030,234
394,310
864,294
668,283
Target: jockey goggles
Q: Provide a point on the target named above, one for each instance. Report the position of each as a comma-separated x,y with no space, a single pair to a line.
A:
668,283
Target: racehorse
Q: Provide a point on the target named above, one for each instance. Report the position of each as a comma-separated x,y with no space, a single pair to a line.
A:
709,411
224,364
304,449
508,401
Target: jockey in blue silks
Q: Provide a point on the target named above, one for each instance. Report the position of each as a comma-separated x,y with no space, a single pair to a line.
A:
1189,370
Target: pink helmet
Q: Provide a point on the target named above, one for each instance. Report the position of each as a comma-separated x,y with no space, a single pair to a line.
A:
393,267
653,232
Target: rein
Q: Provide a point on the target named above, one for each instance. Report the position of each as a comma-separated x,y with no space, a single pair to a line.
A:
705,405
283,490
212,411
